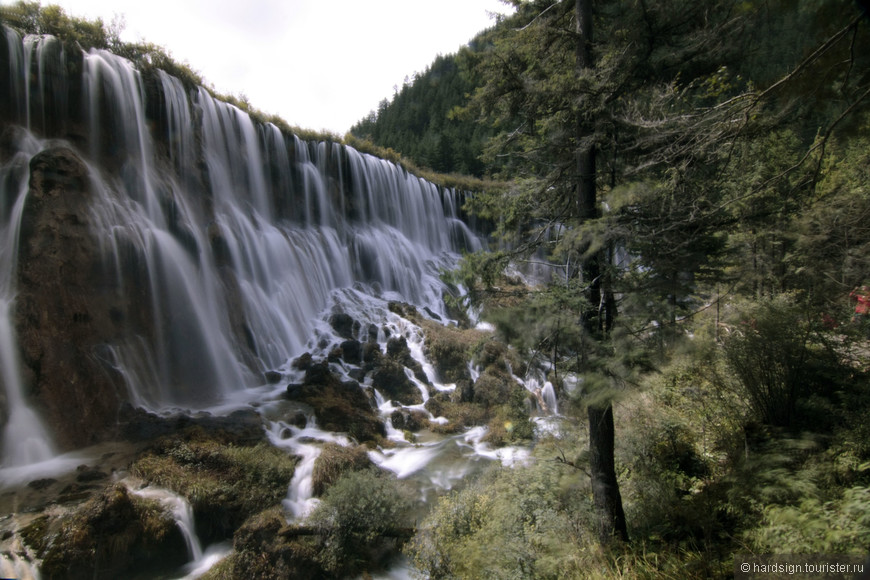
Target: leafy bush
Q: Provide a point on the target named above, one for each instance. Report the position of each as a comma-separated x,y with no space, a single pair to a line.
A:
515,523
360,516
840,526
769,352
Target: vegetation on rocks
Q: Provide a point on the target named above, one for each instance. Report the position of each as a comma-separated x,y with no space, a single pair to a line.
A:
224,483
113,534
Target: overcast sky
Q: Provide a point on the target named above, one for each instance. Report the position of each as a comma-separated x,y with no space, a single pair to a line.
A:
319,64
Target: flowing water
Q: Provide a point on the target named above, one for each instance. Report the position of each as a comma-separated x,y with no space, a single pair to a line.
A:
241,241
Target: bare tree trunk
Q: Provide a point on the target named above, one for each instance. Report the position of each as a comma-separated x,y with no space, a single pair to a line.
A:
605,487
598,319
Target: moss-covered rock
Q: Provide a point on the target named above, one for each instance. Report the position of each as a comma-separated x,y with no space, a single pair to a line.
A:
112,535
334,461
459,415
225,484
340,406
259,551
390,379
494,387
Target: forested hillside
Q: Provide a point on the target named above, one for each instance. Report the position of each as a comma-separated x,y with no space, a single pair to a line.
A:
424,121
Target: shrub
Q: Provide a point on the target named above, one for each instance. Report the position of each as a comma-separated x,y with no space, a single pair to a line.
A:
514,523
359,515
768,351
840,526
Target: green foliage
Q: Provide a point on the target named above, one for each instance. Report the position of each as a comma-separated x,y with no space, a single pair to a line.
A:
224,483
356,513
335,460
515,523
424,119
840,526
771,349
31,17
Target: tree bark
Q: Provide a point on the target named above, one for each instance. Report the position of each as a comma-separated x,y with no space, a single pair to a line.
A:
598,319
602,466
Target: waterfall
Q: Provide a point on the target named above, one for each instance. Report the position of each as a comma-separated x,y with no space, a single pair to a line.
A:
222,241
181,512
25,439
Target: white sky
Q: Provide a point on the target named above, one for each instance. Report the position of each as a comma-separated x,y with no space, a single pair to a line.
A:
319,64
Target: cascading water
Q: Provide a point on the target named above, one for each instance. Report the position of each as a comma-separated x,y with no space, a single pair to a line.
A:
231,235
25,439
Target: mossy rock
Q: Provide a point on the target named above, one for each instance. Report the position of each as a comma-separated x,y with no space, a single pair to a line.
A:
259,551
390,380
340,406
494,387
459,415
336,460
112,535
225,484
398,351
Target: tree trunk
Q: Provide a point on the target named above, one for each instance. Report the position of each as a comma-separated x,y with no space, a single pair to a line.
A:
598,318
602,466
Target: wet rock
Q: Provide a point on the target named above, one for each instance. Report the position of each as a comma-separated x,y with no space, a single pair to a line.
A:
397,350
352,352
405,420
372,333
65,303
334,355
390,380
433,315
259,551
243,426
273,377
344,325
297,420
88,474
464,391
112,535
40,484
338,405
302,362
371,354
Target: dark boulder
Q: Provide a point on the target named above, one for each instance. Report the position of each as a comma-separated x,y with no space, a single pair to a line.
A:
338,405
390,379
344,325
352,352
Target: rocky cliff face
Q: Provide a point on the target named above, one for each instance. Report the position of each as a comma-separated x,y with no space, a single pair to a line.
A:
67,312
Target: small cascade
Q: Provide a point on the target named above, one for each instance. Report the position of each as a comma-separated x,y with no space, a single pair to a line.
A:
13,565
548,394
301,442
542,389
181,511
